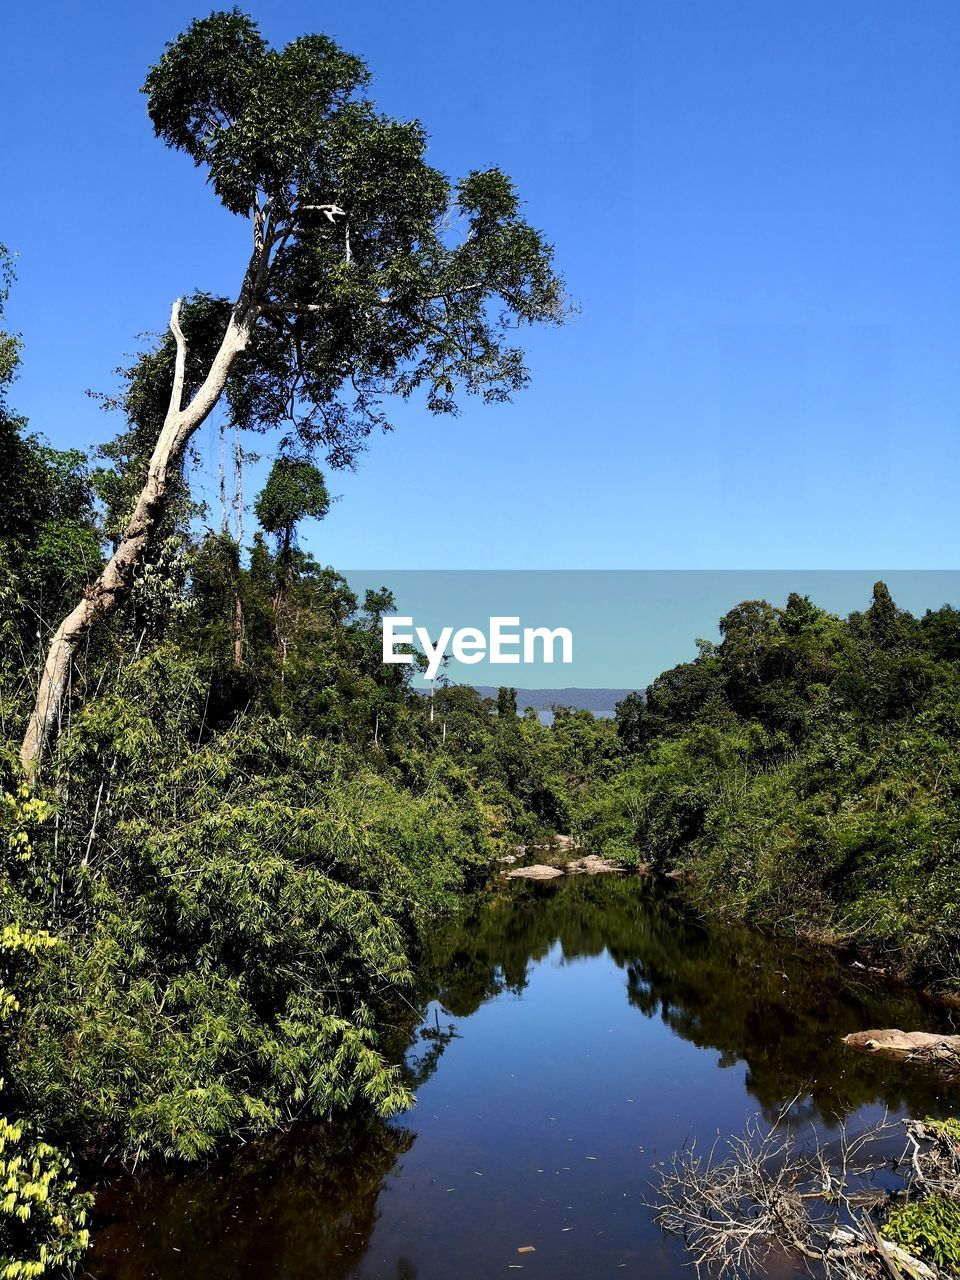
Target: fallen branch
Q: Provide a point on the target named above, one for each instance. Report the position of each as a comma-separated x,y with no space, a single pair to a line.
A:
767,1193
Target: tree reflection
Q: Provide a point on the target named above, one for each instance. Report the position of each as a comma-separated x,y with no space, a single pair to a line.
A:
302,1204
779,1007
305,1204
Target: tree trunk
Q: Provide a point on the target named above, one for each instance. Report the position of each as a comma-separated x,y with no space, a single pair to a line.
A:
113,586
238,626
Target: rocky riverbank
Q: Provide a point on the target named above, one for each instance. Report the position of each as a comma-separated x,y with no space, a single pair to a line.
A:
558,858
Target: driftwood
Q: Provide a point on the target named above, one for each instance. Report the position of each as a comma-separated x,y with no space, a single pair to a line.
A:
922,1048
768,1193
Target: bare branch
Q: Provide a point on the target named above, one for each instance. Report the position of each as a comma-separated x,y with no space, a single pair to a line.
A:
180,365
453,293
298,309
315,308
330,211
767,1193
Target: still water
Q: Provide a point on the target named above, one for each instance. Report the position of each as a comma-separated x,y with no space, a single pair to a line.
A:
567,1036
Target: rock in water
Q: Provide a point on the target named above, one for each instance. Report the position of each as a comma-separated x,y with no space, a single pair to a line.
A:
566,843
592,865
537,872
942,1053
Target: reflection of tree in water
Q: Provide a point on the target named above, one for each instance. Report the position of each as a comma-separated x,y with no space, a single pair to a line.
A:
421,1062
301,1204
304,1204
778,1007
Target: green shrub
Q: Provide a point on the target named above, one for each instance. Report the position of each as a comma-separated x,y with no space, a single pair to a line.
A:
929,1228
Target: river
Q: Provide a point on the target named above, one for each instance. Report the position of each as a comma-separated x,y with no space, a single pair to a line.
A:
566,1037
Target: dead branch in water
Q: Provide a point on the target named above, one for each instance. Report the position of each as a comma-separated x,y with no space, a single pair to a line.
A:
767,1193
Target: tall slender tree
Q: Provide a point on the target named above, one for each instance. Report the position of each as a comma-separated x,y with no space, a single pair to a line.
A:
370,275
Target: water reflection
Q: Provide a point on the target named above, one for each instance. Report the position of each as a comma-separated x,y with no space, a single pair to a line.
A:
560,1024
778,1007
300,1204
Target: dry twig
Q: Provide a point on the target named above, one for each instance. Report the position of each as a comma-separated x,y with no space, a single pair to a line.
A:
767,1193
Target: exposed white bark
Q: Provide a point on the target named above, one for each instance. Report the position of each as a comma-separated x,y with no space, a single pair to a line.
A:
113,585
330,211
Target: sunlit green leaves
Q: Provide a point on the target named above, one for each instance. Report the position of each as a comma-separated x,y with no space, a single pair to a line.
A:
384,278
804,773
255,117
294,491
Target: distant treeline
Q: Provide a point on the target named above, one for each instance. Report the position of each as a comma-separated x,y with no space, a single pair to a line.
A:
599,702
805,773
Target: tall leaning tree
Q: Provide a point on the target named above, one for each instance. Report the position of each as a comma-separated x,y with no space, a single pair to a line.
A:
370,275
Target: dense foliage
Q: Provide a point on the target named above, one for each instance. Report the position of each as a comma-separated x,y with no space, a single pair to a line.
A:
214,896
804,772
929,1228
240,834
374,275
234,857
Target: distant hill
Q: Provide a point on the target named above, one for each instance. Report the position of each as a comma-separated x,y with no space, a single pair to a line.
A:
602,702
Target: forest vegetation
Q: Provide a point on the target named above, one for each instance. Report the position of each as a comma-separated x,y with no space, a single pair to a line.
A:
227,823
226,819
802,773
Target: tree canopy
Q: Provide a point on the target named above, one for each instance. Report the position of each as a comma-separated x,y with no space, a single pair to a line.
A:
371,275
384,277
295,490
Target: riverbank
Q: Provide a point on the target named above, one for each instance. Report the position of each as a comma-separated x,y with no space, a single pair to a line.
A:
804,774
659,1027
565,855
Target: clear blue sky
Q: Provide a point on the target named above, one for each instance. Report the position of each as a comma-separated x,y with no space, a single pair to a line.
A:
756,205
